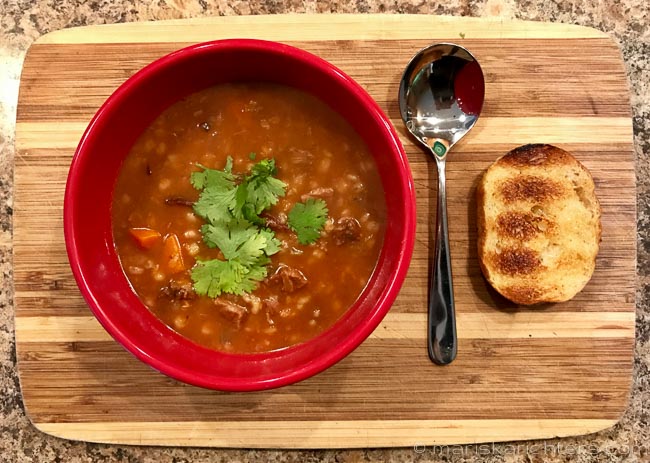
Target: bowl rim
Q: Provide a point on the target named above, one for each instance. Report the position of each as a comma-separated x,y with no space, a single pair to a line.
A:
366,326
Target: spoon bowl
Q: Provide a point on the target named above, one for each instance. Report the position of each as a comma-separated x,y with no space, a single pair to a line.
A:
440,97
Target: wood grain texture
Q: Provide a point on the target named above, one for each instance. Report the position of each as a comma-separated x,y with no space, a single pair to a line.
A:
555,370
349,433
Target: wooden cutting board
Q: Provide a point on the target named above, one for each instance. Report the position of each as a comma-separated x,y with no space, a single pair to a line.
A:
521,373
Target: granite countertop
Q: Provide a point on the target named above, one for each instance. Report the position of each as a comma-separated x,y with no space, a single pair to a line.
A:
21,22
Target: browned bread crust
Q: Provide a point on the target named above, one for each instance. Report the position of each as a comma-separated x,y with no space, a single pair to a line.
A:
538,225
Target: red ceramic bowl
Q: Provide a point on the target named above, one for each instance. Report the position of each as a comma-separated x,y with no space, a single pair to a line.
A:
89,192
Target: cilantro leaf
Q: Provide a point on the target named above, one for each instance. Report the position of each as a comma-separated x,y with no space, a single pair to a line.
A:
251,251
214,204
263,189
255,274
241,240
243,208
273,245
221,179
240,200
228,236
213,277
307,219
264,168
231,206
218,197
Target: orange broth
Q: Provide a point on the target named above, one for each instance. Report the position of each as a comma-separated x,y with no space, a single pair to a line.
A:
317,154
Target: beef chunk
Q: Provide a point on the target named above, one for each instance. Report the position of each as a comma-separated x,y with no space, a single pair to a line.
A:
254,303
178,290
234,313
276,222
289,279
274,309
346,230
271,307
271,304
301,157
321,192
178,201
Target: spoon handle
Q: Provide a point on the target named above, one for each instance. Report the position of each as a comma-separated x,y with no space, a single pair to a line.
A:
442,320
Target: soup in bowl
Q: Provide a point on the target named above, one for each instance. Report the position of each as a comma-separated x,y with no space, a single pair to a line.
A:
239,215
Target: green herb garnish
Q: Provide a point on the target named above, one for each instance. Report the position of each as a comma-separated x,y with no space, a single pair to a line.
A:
231,205
307,219
262,189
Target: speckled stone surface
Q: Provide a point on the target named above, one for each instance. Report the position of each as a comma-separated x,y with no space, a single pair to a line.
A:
628,21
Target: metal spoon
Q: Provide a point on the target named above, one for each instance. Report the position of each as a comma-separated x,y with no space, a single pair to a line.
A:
440,98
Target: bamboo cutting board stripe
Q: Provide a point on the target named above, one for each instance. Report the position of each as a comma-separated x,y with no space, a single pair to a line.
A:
557,370
525,373
348,433
488,131
395,326
511,70
318,28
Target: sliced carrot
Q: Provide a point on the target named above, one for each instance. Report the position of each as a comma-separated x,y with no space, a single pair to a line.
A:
172,254
145,237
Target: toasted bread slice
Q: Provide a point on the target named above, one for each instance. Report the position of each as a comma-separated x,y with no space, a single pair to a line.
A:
538,225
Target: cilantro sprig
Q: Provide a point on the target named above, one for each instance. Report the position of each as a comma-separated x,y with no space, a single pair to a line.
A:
231,205
308,219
